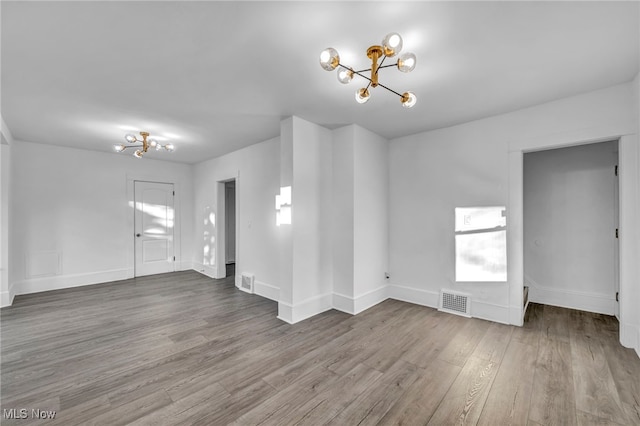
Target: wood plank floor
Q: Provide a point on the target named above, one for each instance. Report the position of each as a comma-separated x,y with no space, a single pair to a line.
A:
181,348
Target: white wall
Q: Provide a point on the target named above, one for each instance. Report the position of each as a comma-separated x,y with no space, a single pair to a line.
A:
257,171
71,216
6,293
569,226
360,218
480,164
343,218
370,218
311,285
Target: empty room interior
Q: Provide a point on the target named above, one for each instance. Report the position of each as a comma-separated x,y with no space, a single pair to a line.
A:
274,213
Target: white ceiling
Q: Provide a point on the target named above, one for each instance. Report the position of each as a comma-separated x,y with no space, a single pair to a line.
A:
212,77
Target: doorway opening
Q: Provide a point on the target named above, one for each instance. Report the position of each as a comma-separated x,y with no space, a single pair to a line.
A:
230,227
571,210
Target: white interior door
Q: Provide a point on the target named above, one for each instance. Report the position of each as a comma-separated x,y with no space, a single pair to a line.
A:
154,228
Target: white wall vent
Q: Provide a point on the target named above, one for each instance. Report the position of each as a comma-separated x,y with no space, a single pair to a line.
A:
246,284
455,302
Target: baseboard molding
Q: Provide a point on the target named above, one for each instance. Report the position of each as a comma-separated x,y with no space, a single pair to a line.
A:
414,295
305,309
630,336
266,290
489,311
343,303
6,298
59,282
370,299
355,305
571,299
209,271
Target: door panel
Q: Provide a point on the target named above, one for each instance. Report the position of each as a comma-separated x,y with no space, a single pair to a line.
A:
154,228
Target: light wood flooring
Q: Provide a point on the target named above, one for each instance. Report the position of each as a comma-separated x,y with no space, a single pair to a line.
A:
183,349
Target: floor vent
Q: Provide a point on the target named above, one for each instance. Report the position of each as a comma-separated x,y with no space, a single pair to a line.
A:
247,282
455,302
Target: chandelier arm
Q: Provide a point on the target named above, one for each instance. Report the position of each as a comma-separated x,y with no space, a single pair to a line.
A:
391,90
388,66
362,75
381,62
131,146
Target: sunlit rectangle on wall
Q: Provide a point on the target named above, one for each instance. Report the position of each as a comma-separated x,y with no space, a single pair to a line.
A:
481,244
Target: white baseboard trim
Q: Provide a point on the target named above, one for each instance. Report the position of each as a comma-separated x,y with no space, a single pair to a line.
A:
414,295
6,297
489,311
305,309
209,271
571,299
344,303
58,282
630,336
355,305
285,312
266,290
370,298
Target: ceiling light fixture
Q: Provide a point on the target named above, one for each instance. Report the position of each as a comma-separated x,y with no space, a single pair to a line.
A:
145,144
391,46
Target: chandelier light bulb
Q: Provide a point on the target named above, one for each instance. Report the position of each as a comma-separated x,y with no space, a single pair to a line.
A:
153,143
138,153
169,147
345,75
119,147
130,138
407,62
329,59
408,99
362,95
392,44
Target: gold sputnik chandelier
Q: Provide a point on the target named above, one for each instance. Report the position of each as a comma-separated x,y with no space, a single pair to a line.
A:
144,144
391,46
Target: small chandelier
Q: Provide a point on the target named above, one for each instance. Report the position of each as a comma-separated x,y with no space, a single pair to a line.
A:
391,46
145,144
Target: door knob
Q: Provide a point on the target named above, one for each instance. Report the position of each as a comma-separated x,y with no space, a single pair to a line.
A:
137,235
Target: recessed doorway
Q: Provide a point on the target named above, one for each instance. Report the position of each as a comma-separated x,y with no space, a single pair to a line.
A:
570,220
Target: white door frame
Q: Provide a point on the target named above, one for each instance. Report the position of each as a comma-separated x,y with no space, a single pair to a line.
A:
628,161
220,240
129,214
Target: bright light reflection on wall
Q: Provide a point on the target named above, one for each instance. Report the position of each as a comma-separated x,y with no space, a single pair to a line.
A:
283,206
208,235
481,244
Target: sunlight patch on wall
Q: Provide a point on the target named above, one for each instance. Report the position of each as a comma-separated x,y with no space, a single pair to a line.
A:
283,206
209,239
481,244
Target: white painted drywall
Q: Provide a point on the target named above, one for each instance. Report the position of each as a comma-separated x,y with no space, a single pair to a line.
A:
257,170
6,295
72,215
343,217
474,164
311,218
370,218
569,226
285,231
